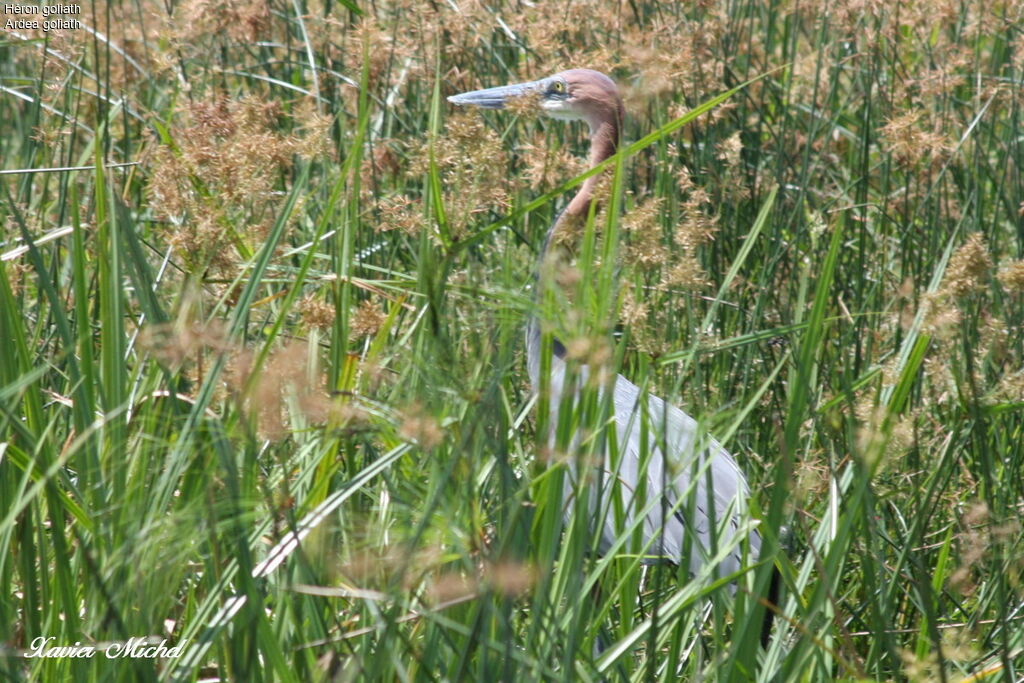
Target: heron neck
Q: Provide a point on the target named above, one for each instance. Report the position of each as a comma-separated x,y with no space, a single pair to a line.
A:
604,139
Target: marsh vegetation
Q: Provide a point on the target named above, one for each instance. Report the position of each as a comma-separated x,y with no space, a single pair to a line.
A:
276,288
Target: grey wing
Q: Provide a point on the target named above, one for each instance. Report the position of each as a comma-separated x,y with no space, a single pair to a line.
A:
679,517
681,480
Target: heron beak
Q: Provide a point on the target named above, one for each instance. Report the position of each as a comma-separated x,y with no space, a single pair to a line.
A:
495,98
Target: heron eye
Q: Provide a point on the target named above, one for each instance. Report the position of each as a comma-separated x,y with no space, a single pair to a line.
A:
558,87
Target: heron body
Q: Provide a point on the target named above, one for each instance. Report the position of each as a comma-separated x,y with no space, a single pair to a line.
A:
694,494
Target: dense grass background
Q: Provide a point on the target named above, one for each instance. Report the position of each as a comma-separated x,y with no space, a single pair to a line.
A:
275,288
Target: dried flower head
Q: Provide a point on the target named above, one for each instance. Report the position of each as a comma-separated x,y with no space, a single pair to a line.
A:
511,579
591,351
909,142
399,212
474,169
548,163
941,319
240,20
451,586
967,267
420,428
214,187
1011,387
729,150
687,273
366,320
316,312
1012,277
264,397
974,542
645,246
696,226
186,339
314,128
527,105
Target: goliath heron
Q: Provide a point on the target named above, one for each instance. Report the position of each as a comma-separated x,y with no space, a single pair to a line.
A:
701,490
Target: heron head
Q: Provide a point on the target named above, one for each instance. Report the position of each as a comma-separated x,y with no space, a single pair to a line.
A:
573,95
